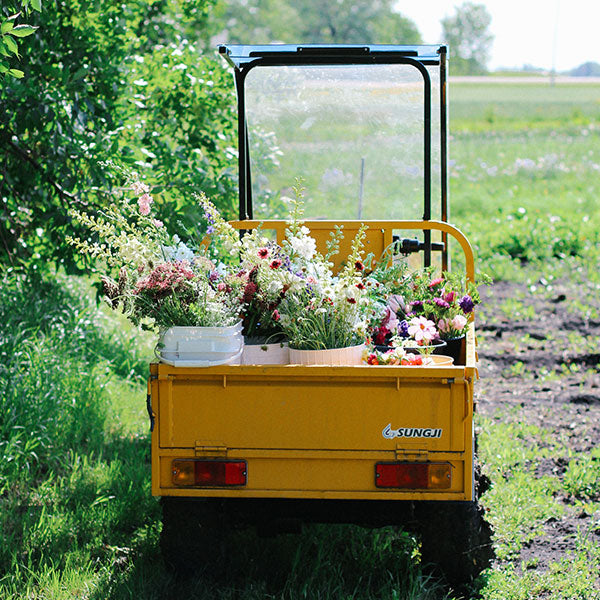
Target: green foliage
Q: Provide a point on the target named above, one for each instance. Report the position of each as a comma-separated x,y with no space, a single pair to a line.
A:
111,80
12,31
519,502
73,484
468,36
312,21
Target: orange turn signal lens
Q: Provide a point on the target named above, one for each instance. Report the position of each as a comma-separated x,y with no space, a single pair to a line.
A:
191,472
413,476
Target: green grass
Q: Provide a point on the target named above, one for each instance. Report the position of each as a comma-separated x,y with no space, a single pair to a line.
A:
520,503
74,489
522,105
524,166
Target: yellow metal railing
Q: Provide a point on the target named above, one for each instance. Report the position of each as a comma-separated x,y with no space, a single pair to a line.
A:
379,235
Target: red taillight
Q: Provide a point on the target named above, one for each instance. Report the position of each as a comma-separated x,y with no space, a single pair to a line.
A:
413,476
209,472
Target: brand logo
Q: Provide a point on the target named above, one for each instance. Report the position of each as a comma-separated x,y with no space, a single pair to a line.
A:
410,432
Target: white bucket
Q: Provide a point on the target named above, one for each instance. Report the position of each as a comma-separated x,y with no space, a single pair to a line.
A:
266,354
201,346
351,355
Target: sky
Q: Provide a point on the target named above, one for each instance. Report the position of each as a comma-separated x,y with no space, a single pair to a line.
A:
552,33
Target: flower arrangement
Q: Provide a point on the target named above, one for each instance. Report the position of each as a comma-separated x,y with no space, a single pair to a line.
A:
290,291
422,307
161,282
280,292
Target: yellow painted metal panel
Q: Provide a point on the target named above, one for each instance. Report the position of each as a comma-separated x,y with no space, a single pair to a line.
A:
335,414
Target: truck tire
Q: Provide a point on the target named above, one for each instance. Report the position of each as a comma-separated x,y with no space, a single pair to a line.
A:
456,540
193,533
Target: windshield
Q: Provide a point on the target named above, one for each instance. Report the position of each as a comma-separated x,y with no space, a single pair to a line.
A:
353,133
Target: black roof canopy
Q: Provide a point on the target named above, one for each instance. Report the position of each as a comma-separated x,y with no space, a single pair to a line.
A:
241,56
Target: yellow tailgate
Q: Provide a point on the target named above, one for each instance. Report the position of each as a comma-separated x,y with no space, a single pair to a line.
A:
313,432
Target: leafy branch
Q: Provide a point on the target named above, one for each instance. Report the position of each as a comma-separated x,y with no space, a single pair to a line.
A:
11,33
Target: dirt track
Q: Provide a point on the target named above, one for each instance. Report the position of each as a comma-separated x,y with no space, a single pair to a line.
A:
514,375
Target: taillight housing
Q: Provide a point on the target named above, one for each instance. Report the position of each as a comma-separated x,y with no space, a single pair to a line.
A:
413,476
208,473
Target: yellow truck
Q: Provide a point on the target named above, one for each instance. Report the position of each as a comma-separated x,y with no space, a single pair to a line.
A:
276,446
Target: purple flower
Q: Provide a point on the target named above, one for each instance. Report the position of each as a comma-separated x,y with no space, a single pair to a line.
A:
441,303
403,329
467,304
214,275
416,306
210,229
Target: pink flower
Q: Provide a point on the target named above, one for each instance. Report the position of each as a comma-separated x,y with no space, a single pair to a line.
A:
139,188
436,282
144,203
422,329
275,263
263,252
395,302
443,325
276,316
158,223
459,322
221,287
390,321
450,297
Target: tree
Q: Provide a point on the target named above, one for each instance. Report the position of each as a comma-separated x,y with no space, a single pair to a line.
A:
469,39
314,21
112,80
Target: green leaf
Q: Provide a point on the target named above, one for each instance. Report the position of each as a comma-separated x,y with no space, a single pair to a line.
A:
11,45
3,68
36,5
6,26
22,31
16,73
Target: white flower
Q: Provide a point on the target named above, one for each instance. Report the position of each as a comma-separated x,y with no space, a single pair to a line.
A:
178,253
305,247
139,188
274,287
351,292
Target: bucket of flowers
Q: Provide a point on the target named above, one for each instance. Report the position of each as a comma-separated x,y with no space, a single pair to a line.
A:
291,295
265,274
420,311
163,284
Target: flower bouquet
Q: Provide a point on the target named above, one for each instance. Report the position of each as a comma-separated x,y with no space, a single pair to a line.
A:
162,284
420,310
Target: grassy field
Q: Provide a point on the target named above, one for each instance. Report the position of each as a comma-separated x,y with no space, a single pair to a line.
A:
76,516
